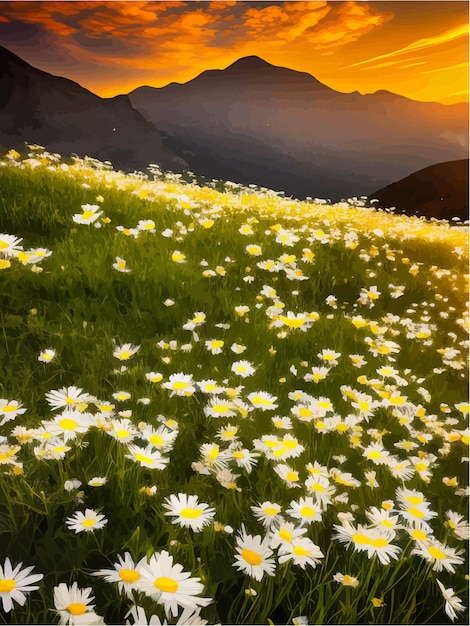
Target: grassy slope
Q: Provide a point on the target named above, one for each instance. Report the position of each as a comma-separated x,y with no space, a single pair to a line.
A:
79,305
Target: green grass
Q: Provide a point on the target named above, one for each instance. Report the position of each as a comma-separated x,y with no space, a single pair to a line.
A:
77,304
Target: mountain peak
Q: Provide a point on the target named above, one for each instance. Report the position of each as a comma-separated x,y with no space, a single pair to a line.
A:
249,63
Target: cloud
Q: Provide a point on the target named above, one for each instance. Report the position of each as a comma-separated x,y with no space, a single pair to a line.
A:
449,67
421,44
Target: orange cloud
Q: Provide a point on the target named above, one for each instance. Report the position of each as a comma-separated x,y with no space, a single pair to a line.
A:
421,44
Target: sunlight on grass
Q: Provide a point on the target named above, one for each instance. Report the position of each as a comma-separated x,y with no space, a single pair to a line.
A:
220,405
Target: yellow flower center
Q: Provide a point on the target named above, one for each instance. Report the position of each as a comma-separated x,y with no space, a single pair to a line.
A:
122,434
292,476
414,499
3,245
144,459
436,553
260,400
299,551
156,440
348,580
76,608
416,512
317,487
379,542
217,344
361,539
125,355
375,454
420,467
238,455
166,585
220,408
9,408
251,557
180,384
285,534
86,216
270,510
386,523
191,513
307,511
7,584
129,575
419,535
68,424
88,523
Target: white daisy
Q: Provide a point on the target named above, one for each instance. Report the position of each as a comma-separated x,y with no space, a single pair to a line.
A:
147,457
67,397
15,583
188,512
126,574
302,551
453,602
74,605
169,585
268,513
125,352
254,557
46,356
305,510
88,521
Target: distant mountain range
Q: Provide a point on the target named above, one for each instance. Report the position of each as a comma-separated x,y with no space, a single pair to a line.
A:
64,117
252,122
440,191
257,123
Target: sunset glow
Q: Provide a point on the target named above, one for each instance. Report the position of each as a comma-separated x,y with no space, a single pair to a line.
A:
416,49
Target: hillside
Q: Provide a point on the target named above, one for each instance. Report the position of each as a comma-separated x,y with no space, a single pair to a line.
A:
59,114
222,406
440,191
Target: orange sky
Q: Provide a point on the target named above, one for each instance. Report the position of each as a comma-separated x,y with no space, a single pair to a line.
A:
417,49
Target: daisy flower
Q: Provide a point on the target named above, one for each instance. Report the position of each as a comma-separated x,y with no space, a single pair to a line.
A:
263,400
218,407
214,346
253,249
453,603
67,397
329,356
169,585
237,348
267,513
74,605
188,512
121,396
243,457
125,352
284,533
9,245
243,368
9,409
346,580
97,481
69,424
180,385
458,524
90,213
254,557
162,438
305,510
88,521
369,540
288,474
178,257
15,583
126,574
147,457
123,430
46,356
121,265
441,557
302,551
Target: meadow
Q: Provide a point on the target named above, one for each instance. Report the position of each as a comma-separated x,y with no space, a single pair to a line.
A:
221,405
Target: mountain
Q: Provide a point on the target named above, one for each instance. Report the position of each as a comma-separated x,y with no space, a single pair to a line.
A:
62,116
255,122
440,191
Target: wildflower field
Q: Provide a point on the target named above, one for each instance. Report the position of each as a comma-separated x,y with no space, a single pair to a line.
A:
220,405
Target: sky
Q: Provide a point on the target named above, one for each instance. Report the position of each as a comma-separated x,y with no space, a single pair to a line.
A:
418,49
